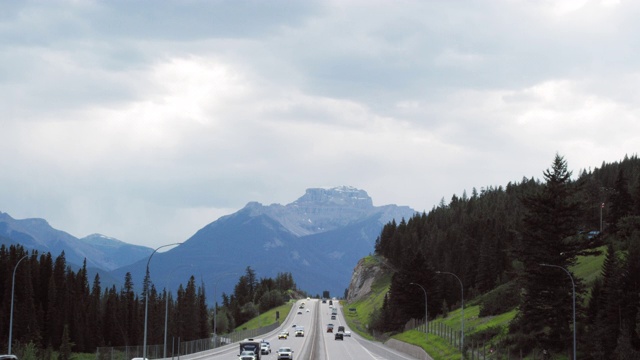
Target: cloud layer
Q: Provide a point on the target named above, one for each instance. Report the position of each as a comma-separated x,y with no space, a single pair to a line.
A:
145,121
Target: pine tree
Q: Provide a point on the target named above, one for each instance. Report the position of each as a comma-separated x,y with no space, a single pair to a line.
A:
545,312
631,291
607,324
621,201
65,345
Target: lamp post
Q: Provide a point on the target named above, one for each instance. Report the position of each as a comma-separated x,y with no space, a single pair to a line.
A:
13,285
426,315
573,288
146,300
601,207
462,307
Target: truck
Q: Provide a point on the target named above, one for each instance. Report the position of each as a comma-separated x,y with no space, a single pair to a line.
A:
251,345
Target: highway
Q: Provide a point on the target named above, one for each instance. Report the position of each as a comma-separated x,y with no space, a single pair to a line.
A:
317,344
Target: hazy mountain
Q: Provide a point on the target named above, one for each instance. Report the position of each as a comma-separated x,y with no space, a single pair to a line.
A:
319,238
101,252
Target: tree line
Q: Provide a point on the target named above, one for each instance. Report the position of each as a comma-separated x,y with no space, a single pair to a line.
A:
57,309
495,241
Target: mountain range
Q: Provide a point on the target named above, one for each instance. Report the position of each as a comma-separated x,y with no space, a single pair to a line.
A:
318,238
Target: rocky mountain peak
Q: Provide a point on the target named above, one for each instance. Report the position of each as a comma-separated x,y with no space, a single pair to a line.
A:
344,196
320,210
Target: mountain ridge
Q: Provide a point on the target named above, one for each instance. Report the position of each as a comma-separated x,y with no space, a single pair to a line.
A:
318,238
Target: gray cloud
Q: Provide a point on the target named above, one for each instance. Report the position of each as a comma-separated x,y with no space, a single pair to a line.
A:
144,121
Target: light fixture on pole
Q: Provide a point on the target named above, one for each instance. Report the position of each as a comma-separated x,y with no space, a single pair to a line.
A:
573,287
426,314
146,300
462,307
13,285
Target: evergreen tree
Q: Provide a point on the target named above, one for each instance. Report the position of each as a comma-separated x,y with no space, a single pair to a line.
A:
66,344
631,292
607,322
545,313
94,324
621,201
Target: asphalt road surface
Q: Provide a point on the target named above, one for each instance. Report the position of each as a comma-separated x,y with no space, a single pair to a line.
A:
317,344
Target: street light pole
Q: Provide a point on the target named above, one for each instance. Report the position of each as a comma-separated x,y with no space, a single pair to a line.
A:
146,300
601,207
462,307
426,315
13,285
573,288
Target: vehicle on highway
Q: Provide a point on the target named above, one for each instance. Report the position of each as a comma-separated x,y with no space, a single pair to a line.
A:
340,328
333,317
265,348
300,331
347,333
308,310
299,312
330,328
252,345
283,335
247,355
339,336
285,353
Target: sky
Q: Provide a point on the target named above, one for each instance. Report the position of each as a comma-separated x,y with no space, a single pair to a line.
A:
147,120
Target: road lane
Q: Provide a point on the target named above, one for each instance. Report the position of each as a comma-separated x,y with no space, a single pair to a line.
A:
317,344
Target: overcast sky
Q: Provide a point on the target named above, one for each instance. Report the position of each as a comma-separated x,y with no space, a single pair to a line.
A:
147,120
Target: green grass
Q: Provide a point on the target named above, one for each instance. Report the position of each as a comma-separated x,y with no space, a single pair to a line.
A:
83,356
437,347
268,317
588,268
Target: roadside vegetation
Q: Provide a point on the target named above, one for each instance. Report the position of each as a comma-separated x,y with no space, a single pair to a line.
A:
492,244
490,330
268,317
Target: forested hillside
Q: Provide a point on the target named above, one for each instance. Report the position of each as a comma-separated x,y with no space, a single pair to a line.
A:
58,309
501,235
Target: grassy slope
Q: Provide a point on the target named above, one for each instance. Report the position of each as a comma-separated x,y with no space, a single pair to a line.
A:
359,319
268,317
587,269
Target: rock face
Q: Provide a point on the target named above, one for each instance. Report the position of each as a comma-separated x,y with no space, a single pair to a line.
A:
322,210
364,275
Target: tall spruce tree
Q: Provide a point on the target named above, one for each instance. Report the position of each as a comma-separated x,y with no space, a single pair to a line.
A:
621,201
550,224
605,331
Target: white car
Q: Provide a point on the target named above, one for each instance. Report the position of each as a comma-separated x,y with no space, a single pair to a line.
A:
285,353
347,333
265,348
308,310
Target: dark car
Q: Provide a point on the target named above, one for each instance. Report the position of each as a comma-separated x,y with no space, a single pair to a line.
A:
330,328
339,336
341,328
